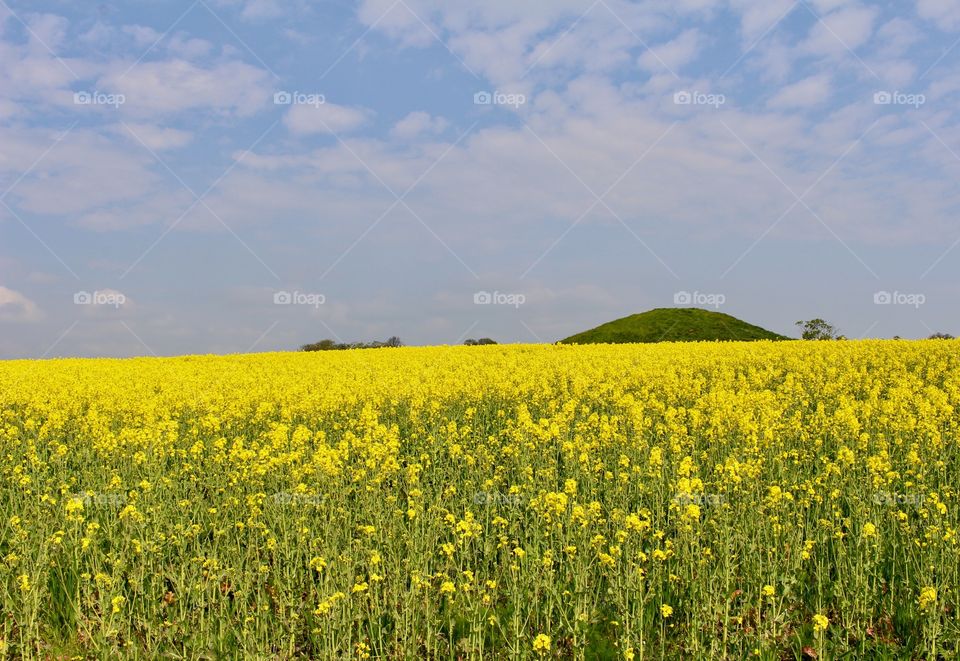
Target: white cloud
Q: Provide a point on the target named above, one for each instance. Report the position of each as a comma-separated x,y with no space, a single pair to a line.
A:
824,6
811,91
505,41
675,54
847,28
31,74
258,9
945,13
897,35
47,30
324,118
501,178
772,62
760,17
418,123
14,306
173,86
43,278
161,207
188,48
143,36
87,170
157,138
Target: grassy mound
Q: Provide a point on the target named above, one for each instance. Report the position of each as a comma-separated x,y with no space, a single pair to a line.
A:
673,325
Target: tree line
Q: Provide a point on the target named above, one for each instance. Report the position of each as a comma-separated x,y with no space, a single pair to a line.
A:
331,345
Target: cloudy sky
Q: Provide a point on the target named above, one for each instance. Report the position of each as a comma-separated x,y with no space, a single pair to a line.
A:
250,175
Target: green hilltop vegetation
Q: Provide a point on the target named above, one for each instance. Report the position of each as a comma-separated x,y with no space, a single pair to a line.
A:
673,325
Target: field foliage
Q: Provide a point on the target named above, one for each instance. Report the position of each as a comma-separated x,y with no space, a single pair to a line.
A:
767,499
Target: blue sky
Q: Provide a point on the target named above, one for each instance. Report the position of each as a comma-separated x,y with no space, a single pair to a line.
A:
250,175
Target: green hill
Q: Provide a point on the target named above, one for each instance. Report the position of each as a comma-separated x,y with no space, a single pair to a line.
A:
673,325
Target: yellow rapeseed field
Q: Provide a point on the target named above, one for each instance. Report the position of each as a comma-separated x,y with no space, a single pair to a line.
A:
738,500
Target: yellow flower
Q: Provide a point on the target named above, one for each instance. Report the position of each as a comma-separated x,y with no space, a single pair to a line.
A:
541,644
927,598
24,582
327,604
447,587
666,611
820,622
768,591
869,530
74,507
117,603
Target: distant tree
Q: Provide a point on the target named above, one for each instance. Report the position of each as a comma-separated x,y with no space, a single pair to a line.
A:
818,329
330,345
322,345
470,342
941,336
